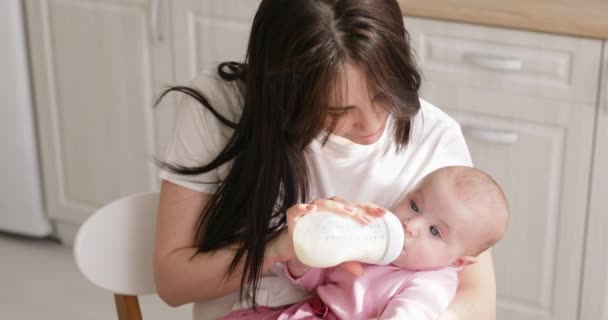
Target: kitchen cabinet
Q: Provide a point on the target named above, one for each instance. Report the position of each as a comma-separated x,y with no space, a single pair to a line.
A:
206,33
527,104
97,67
594,299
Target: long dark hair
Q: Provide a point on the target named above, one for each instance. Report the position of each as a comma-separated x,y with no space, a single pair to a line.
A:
297,50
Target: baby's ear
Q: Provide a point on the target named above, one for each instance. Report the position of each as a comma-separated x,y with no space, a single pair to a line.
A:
466,260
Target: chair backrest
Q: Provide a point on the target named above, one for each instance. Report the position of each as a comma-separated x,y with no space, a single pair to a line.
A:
114,247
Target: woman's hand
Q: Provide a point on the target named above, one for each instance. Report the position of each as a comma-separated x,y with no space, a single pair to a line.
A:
281,247
362,212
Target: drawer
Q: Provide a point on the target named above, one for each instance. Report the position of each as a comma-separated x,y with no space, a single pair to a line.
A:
515,62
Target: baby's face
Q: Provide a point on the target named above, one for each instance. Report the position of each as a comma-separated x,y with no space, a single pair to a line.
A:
435,223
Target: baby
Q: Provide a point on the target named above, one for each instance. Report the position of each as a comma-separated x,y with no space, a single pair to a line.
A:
451,216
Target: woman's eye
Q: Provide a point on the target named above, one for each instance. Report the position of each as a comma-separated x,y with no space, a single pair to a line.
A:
337,112
414,206
435,232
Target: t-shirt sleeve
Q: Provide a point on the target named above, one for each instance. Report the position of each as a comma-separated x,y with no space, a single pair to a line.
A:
436,142
452,149
199,136
425,297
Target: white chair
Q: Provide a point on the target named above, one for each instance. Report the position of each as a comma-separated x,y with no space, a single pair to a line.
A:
114,250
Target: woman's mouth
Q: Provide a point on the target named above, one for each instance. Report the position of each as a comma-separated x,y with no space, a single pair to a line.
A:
369,139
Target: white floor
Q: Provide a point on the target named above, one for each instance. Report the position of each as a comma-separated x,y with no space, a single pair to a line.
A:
39,281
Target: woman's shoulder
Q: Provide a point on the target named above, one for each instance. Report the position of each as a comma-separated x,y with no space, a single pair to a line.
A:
224,96
437,138
199,135
432,121
431,114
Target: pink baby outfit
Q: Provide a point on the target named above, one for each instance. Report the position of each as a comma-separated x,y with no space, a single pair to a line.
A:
384,292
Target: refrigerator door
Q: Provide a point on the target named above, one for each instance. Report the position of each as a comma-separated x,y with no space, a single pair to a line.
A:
21,204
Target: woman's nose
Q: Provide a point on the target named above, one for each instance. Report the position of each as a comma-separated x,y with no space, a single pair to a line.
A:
370,120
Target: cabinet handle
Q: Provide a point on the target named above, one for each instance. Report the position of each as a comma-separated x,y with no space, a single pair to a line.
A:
154,22
494,62
491,135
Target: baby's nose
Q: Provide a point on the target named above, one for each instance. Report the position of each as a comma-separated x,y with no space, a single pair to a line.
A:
410,229
413,233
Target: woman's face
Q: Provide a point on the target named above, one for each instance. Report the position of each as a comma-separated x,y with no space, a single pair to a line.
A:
361,117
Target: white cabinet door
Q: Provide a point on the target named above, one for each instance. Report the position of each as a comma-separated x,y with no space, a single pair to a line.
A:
543,168
97,68
595,284
207,32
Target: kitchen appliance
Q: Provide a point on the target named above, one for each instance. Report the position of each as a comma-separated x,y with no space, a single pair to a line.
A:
21,202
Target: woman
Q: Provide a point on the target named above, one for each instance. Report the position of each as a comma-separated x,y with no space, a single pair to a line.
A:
325,104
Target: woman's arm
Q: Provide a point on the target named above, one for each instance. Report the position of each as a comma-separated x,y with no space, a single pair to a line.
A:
180,279
476,294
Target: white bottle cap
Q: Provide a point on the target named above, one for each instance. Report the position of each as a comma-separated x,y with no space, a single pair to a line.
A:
395,238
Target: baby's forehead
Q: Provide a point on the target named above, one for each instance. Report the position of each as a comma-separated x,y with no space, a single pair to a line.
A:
454,203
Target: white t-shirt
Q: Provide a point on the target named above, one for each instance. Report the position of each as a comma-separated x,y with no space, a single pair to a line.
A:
371,173
365,173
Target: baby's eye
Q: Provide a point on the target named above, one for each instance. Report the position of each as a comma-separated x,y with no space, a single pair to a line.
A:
435,232
414,206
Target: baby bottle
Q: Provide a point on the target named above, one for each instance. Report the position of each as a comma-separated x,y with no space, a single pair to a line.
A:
323,239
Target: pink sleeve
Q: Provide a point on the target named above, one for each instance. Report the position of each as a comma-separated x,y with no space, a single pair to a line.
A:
425,297
310,280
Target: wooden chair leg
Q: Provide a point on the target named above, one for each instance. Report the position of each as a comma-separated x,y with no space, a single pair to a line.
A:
127,307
